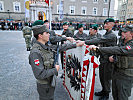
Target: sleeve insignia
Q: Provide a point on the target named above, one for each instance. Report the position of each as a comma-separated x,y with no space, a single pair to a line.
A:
128,47
36,62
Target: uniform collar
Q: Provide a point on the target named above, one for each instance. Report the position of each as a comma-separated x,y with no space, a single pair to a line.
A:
108,32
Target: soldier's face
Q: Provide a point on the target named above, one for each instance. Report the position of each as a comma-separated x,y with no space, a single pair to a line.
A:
45,36
92,31
108,25
81,29
65,27
126,35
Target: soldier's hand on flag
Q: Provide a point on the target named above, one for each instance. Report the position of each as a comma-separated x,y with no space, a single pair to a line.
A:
57,67
70,39
93,47
80,43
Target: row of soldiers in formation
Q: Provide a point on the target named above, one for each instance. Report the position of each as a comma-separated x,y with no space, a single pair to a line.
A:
116,60
68,31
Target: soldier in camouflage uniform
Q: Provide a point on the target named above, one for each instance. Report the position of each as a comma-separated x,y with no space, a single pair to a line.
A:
41,59
93,32
27,34
122,80
106,67
71,28
80,35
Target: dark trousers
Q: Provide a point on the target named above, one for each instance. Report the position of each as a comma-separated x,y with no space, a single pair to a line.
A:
46,92
105,74
121,86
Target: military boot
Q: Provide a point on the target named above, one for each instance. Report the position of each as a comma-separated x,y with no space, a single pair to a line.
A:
101,93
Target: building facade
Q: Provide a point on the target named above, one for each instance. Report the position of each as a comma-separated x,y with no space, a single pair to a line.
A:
12,9
129,15
83,10
39,10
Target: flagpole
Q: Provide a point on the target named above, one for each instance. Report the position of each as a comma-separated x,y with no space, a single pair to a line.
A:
50,14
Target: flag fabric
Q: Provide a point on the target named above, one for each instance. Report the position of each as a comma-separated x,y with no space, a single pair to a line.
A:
61,10
27,7
88,75
88,65
47,1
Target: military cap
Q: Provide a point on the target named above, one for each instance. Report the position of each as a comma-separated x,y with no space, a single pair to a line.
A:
38,29
80,25
65,23
109,20
26,24
45,21
94,26
127,28
38,22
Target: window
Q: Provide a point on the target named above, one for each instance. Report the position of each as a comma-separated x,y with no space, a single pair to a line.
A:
105,11
16,6
105,1
94,11
83,11
1,6
72,9
95,1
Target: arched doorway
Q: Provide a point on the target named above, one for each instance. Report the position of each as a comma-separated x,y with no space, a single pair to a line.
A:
41,16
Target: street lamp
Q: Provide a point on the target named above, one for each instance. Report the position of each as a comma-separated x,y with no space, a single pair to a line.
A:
8,11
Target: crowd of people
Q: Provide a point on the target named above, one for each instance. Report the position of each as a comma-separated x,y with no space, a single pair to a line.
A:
18,25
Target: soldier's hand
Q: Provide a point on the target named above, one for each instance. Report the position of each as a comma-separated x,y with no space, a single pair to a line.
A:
57,67
70,39
79,43
93,47
111,59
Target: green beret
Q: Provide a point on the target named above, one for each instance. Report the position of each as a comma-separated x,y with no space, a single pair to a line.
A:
65,23
127,28
38,29
26,24
94,26
109,20
38,22
80,25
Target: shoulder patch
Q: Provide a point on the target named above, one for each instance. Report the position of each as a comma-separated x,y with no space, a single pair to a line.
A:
37,62
128,47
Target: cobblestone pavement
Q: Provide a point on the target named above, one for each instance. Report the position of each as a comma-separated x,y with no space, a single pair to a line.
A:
16,78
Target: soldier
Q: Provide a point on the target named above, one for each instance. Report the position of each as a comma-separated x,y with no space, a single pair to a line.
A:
41,59
54,38
27,34
71,28
66,31
105,68
93,32
80,35
122,79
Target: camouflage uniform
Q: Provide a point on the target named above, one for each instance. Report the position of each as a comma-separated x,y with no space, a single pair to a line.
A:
122,79
79,36
41,59
27,34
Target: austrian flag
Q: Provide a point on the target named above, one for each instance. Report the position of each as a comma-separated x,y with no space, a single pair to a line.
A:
36,62
128,47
